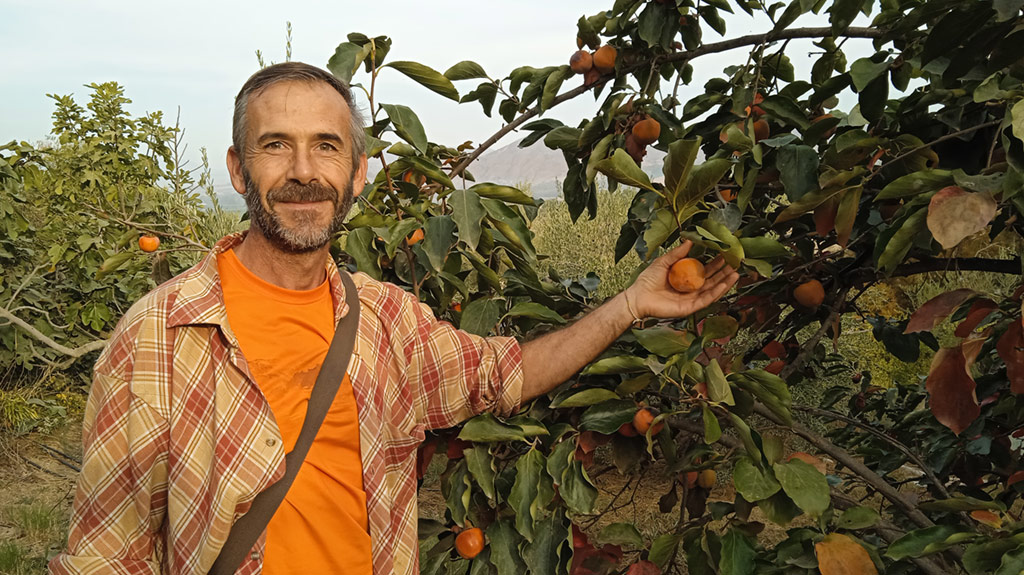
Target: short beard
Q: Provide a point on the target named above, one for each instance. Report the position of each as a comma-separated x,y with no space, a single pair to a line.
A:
305,238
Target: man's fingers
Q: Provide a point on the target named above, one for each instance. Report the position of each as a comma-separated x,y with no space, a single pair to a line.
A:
677,253
713,266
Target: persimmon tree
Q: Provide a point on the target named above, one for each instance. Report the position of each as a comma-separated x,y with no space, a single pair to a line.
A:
815,204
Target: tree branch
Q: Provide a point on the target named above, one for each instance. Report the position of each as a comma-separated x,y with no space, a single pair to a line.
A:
749,40
929,264
35,333
812,342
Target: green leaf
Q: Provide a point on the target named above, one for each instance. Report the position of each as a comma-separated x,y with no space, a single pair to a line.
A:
712,430
798,170
677,164
753,483
427,77
720,326
913,544
465,70
616,364
761,247
864,71
1007,9
901,242
359,245
787,110
984,558
535,311
702,178
737,554
525,489
346,60
805,485
481,466
663,549
577,490
563,138
779,509
634,385
407,125
586,398
608,417
480,316
430,170
625,534
468,212
718,386
746,436
456,490
842,13
916,183
542,554
663,341
486,428
558,461
504,193
858,518
552,84
661,227
438,239
624,170
505,554
1012,563
599,152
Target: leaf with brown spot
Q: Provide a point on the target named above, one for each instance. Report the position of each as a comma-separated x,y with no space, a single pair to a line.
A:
838,554
979,310
954,214
1011,350
987,517
951,390
937,309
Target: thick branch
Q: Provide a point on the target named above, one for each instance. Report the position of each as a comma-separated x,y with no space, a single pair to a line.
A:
929,264
35,333
749,40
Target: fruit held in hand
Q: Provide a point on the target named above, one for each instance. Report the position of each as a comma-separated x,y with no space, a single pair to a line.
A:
604,59
470,542
686,275
642,422
809,294
581,62
646,131
149,243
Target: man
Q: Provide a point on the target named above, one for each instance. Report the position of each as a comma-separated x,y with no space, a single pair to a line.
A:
203,386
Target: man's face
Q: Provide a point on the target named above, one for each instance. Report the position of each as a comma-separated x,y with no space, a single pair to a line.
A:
297,174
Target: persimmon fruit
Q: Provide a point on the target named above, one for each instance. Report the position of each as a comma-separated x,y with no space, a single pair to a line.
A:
604,59
642,422
686,275
761,130
415,237
470,542
646,131
809,294
581,62
707,478
148,243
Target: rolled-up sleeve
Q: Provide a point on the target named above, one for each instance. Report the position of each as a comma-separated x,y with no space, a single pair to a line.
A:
120,496
460,374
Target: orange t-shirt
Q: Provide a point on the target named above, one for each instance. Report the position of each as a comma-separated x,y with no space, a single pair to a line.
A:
321,526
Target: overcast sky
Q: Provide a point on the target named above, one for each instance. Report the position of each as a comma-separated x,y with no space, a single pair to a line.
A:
195,55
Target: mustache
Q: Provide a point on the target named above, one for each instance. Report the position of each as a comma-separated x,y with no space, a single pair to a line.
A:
296,192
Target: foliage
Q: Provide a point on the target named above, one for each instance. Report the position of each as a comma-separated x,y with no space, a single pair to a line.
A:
846,197
72,212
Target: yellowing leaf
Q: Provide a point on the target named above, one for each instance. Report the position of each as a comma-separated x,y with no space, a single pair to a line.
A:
954,214
838,554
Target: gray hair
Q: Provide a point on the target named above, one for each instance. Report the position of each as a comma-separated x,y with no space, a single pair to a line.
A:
294,72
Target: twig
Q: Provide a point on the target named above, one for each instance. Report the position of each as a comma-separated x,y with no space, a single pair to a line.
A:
809,345
40,467
957,134
72,352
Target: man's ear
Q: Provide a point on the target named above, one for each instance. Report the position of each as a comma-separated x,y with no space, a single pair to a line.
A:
359,177
235,170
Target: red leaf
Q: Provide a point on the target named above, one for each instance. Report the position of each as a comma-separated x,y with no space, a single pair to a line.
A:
937,309
951,390
643,568
978,312
774,349
1017,476
1011,350
825,217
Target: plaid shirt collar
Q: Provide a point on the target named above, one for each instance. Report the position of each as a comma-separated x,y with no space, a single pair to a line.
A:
200,301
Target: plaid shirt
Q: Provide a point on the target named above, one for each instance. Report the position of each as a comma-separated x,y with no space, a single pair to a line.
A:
178,439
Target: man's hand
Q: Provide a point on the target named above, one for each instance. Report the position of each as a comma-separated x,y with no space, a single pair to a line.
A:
652,296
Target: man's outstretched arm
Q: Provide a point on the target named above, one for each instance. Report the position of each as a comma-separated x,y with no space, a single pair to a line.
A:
551,359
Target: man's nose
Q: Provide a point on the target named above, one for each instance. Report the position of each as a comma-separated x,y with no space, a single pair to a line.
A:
303,167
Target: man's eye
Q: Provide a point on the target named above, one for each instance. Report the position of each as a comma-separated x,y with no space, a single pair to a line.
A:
327,147
274,145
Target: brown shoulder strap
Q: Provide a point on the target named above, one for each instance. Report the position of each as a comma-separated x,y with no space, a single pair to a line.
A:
248,528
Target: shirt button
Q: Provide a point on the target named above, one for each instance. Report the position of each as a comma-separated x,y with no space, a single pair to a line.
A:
271,442
255,555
